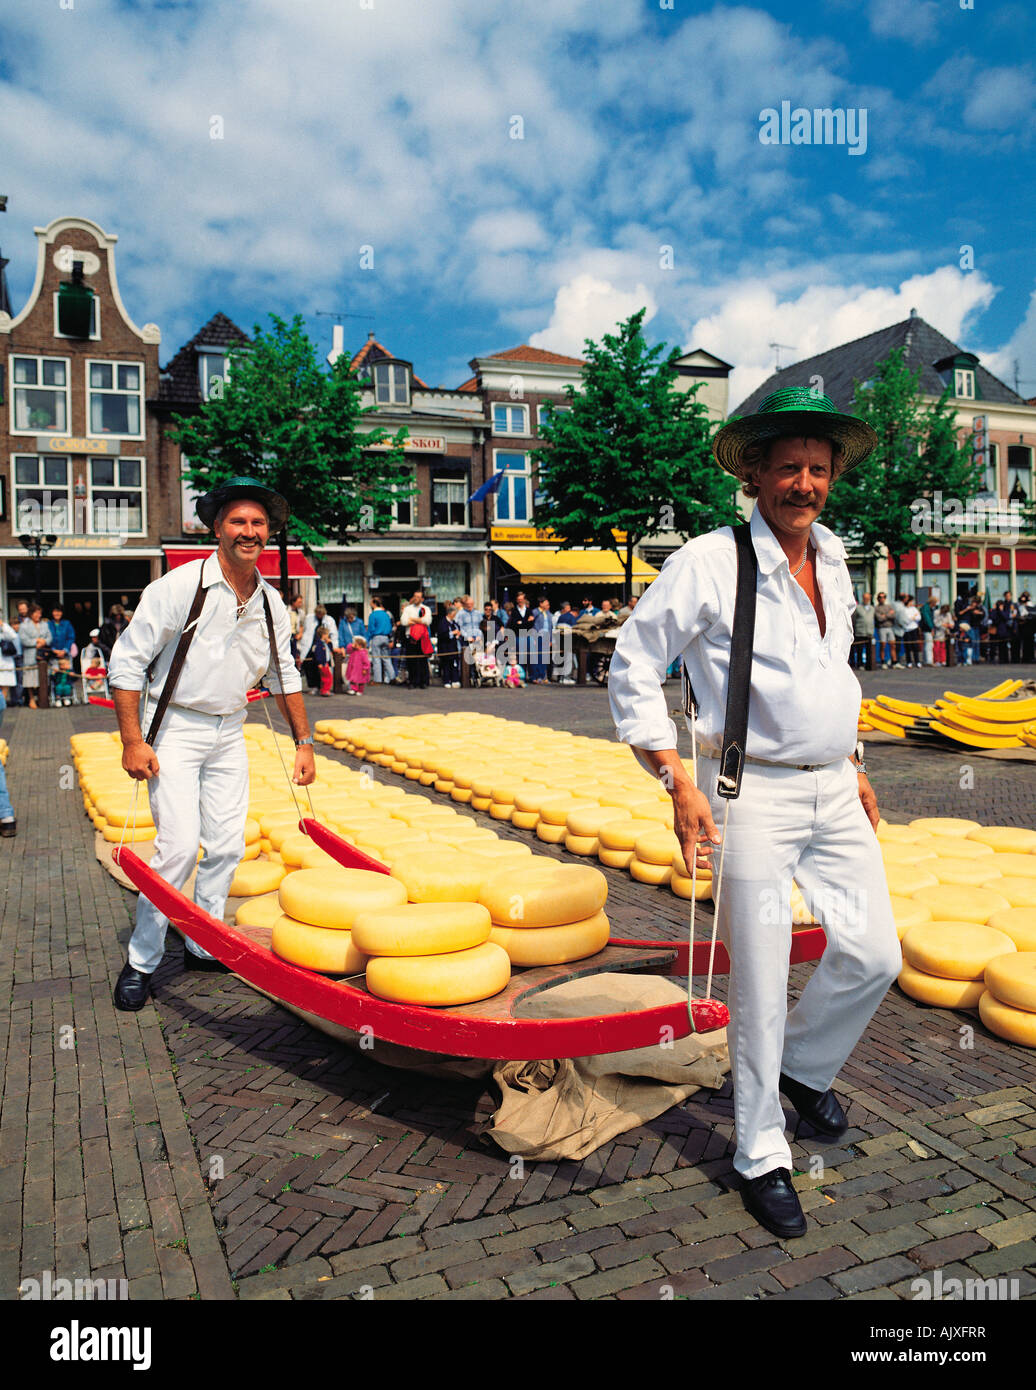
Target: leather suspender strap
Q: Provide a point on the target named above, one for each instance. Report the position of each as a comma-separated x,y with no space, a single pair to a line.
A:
735,728
179,657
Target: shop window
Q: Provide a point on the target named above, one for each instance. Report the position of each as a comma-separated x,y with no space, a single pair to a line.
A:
116,398
42,494
40,389
117,496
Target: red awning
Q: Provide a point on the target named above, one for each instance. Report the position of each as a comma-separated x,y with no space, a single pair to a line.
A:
269,561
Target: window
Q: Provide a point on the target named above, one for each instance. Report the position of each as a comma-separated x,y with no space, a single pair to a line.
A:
95,327
510,419
40,386
404,510
116,392
1019,473
548,408
964,383
213,373
513,494
449,502
117,496
390,384
42,494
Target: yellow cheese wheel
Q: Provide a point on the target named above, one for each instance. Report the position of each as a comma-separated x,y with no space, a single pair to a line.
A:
531,797
1015,865
458,977
899,834
316,948
252,830
550,832
332,898
553,945
956,847
283,820
254,877
501,852
316,858
556,812
945,825
681,886
544,894
1016,1025
957,903
587,822
1005,838
1012,979
264,846
525,820
657,809
904,880
252,851
582,844
421,929
615,858
656,874
501,810
622,834
1020,925
1019,892
907,913
119,812
954,950
944,994
970,873
480,803
260,911
904,853
432,877
293,847
657,846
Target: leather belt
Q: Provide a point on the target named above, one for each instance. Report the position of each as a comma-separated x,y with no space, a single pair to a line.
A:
767,762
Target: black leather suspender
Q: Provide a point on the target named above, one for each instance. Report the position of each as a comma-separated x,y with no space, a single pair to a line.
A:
735,727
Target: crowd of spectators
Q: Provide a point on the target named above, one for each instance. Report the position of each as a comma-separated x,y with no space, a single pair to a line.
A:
897,632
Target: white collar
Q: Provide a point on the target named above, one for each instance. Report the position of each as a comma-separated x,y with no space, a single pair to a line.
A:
212,573
768,548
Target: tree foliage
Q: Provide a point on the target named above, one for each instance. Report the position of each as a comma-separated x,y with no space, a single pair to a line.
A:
281,419
919,452
629,454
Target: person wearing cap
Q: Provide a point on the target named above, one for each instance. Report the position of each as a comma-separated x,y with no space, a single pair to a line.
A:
806,811
92,659
197,771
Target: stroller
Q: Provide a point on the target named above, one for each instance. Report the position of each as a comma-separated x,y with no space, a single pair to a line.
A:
485,669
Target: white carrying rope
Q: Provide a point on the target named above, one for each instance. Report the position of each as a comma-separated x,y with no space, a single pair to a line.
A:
694,881
284,765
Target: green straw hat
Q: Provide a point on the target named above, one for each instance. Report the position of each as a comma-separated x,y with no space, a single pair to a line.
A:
796,412
233,490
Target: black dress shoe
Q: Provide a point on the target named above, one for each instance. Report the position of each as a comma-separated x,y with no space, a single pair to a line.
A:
8,829
820,1108
131,989
774,1203
193,962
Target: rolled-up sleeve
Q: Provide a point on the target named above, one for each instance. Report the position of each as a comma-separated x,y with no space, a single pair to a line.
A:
680,604
156,619
282,677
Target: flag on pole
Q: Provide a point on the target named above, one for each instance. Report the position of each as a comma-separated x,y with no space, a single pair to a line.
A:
488,487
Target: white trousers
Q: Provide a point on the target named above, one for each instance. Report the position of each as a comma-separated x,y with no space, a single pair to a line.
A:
810,827
200,796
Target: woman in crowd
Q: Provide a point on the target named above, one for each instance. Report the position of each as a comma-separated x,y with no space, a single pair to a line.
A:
447,633
34,634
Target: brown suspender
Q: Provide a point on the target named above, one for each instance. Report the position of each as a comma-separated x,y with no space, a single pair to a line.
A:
180,655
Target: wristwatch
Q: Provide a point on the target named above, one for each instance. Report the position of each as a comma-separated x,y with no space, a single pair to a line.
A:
301,742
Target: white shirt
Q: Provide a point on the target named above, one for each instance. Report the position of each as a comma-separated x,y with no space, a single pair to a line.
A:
805,699
415,613
227,656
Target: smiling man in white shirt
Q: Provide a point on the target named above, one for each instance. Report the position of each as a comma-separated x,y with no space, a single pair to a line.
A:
806,811
197,770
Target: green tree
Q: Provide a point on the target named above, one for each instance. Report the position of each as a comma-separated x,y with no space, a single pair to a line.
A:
629,454
887,500
283,420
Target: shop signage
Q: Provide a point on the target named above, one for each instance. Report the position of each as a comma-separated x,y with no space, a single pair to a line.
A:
75,444
416,443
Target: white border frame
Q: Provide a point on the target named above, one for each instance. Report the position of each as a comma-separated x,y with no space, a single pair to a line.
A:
116,362
510,434
117,459
35,433
451,525
67,337
527,474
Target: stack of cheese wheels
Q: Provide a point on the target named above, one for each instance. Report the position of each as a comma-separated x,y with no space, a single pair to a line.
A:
546,913
1008,1005
944,961
432,953
657,858
319,908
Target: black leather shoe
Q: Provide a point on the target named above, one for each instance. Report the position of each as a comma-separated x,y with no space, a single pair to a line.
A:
131,989
820,1108
774,1203
193,962
8,829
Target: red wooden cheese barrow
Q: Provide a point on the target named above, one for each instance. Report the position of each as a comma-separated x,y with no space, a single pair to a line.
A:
489,1029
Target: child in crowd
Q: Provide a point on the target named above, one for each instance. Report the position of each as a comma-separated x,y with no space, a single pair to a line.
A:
514,676
358,669
321,654
63,682
92,660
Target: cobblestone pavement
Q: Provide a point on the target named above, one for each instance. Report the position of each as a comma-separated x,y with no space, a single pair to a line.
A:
345,1179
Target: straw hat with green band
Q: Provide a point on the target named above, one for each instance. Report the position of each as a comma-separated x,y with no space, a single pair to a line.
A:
799,412
233,490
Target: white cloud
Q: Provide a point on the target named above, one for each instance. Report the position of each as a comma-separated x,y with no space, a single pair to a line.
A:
751,315
916,21
1021,349
588,307
1000,99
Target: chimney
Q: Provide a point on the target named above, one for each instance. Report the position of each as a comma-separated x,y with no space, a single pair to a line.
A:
337,343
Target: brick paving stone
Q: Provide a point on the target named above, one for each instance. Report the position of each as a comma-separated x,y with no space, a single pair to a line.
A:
1011,1231
938,1253
610,1256
527,1238
815,1267
1004,1259
426,1261
870,1276
613,1280
422,1287
563,1271
484,1291
888,1242
696,1256
365,1282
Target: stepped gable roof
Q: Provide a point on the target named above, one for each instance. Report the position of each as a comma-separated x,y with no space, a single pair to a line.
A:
373,351
179,383
841,366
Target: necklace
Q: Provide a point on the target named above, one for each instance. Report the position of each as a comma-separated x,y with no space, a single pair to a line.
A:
801,562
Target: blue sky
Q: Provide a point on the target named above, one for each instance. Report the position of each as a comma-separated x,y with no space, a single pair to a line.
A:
391,124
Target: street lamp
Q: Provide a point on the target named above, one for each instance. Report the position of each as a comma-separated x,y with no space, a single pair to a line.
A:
38,543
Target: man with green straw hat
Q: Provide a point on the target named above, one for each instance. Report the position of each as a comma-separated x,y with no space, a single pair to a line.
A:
807,812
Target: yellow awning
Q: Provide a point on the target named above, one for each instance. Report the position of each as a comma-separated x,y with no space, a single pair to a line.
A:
555,566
